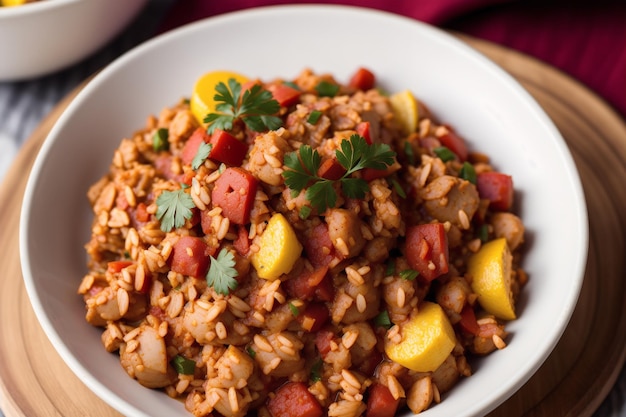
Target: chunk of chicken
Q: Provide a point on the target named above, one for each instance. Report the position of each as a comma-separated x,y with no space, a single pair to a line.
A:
446,197
145,359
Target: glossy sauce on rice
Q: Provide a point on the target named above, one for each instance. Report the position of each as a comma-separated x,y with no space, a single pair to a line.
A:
256,298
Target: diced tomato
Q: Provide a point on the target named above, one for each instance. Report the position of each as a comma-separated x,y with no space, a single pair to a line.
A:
317,312
303,286
363,129
497,188
190,256
141,213
370,174
197,138
322,341
121,202
455,143
318,247
285,95
427,250
294,400
325,291
380,402
331,169
468,320
227,148
117,266
242,243
363,79
234,192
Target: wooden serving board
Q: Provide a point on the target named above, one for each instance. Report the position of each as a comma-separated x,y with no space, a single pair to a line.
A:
574,380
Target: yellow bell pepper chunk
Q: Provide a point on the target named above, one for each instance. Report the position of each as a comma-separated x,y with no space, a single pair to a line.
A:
404,106
490,269
10,3
427,340
279,249
202,98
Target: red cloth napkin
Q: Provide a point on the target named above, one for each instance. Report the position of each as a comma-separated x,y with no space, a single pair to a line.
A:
585,39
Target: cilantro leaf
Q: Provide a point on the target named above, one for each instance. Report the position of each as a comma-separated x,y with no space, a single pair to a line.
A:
201,155
173,208
256,108
354,154
222,272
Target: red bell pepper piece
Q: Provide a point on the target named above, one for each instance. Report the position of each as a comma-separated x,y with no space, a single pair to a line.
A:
427,250
318,312
285,95
190,149
468,320
380,402
455,143
364,129
294,400
227,148
234,192
303,285
117,266
331,169
497,188
363,79
190,256
322,341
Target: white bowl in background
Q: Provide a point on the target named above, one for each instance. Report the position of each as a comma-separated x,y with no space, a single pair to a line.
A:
42,37
462,87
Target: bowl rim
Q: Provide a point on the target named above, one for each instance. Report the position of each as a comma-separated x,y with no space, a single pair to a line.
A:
507,389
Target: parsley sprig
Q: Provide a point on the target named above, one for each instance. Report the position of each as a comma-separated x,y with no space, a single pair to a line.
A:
257,108
222,272
173,209
354,154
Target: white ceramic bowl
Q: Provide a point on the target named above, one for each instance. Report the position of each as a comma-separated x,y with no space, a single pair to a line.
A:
462,87
42,37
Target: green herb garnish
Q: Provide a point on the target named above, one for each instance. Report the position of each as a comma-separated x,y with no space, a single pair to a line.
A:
326,89
483,233
305,212
408,274
354,154
159,140
398,188
468,172
316,370
256,108
204,150
382,320
292,85
391,268
222,272
314,117
444,153
183,365
408,151
173,208
251,352
294,310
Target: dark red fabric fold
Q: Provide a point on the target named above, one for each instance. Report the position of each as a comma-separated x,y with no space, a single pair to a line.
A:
585,39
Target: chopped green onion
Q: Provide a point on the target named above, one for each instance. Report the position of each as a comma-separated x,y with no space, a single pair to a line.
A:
316,371
294,310
408,274
326,89
159,140
408,150
468,172
444,153
183,365
305,211
382,320
250,352
314,117
483,233
398,188
391,268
